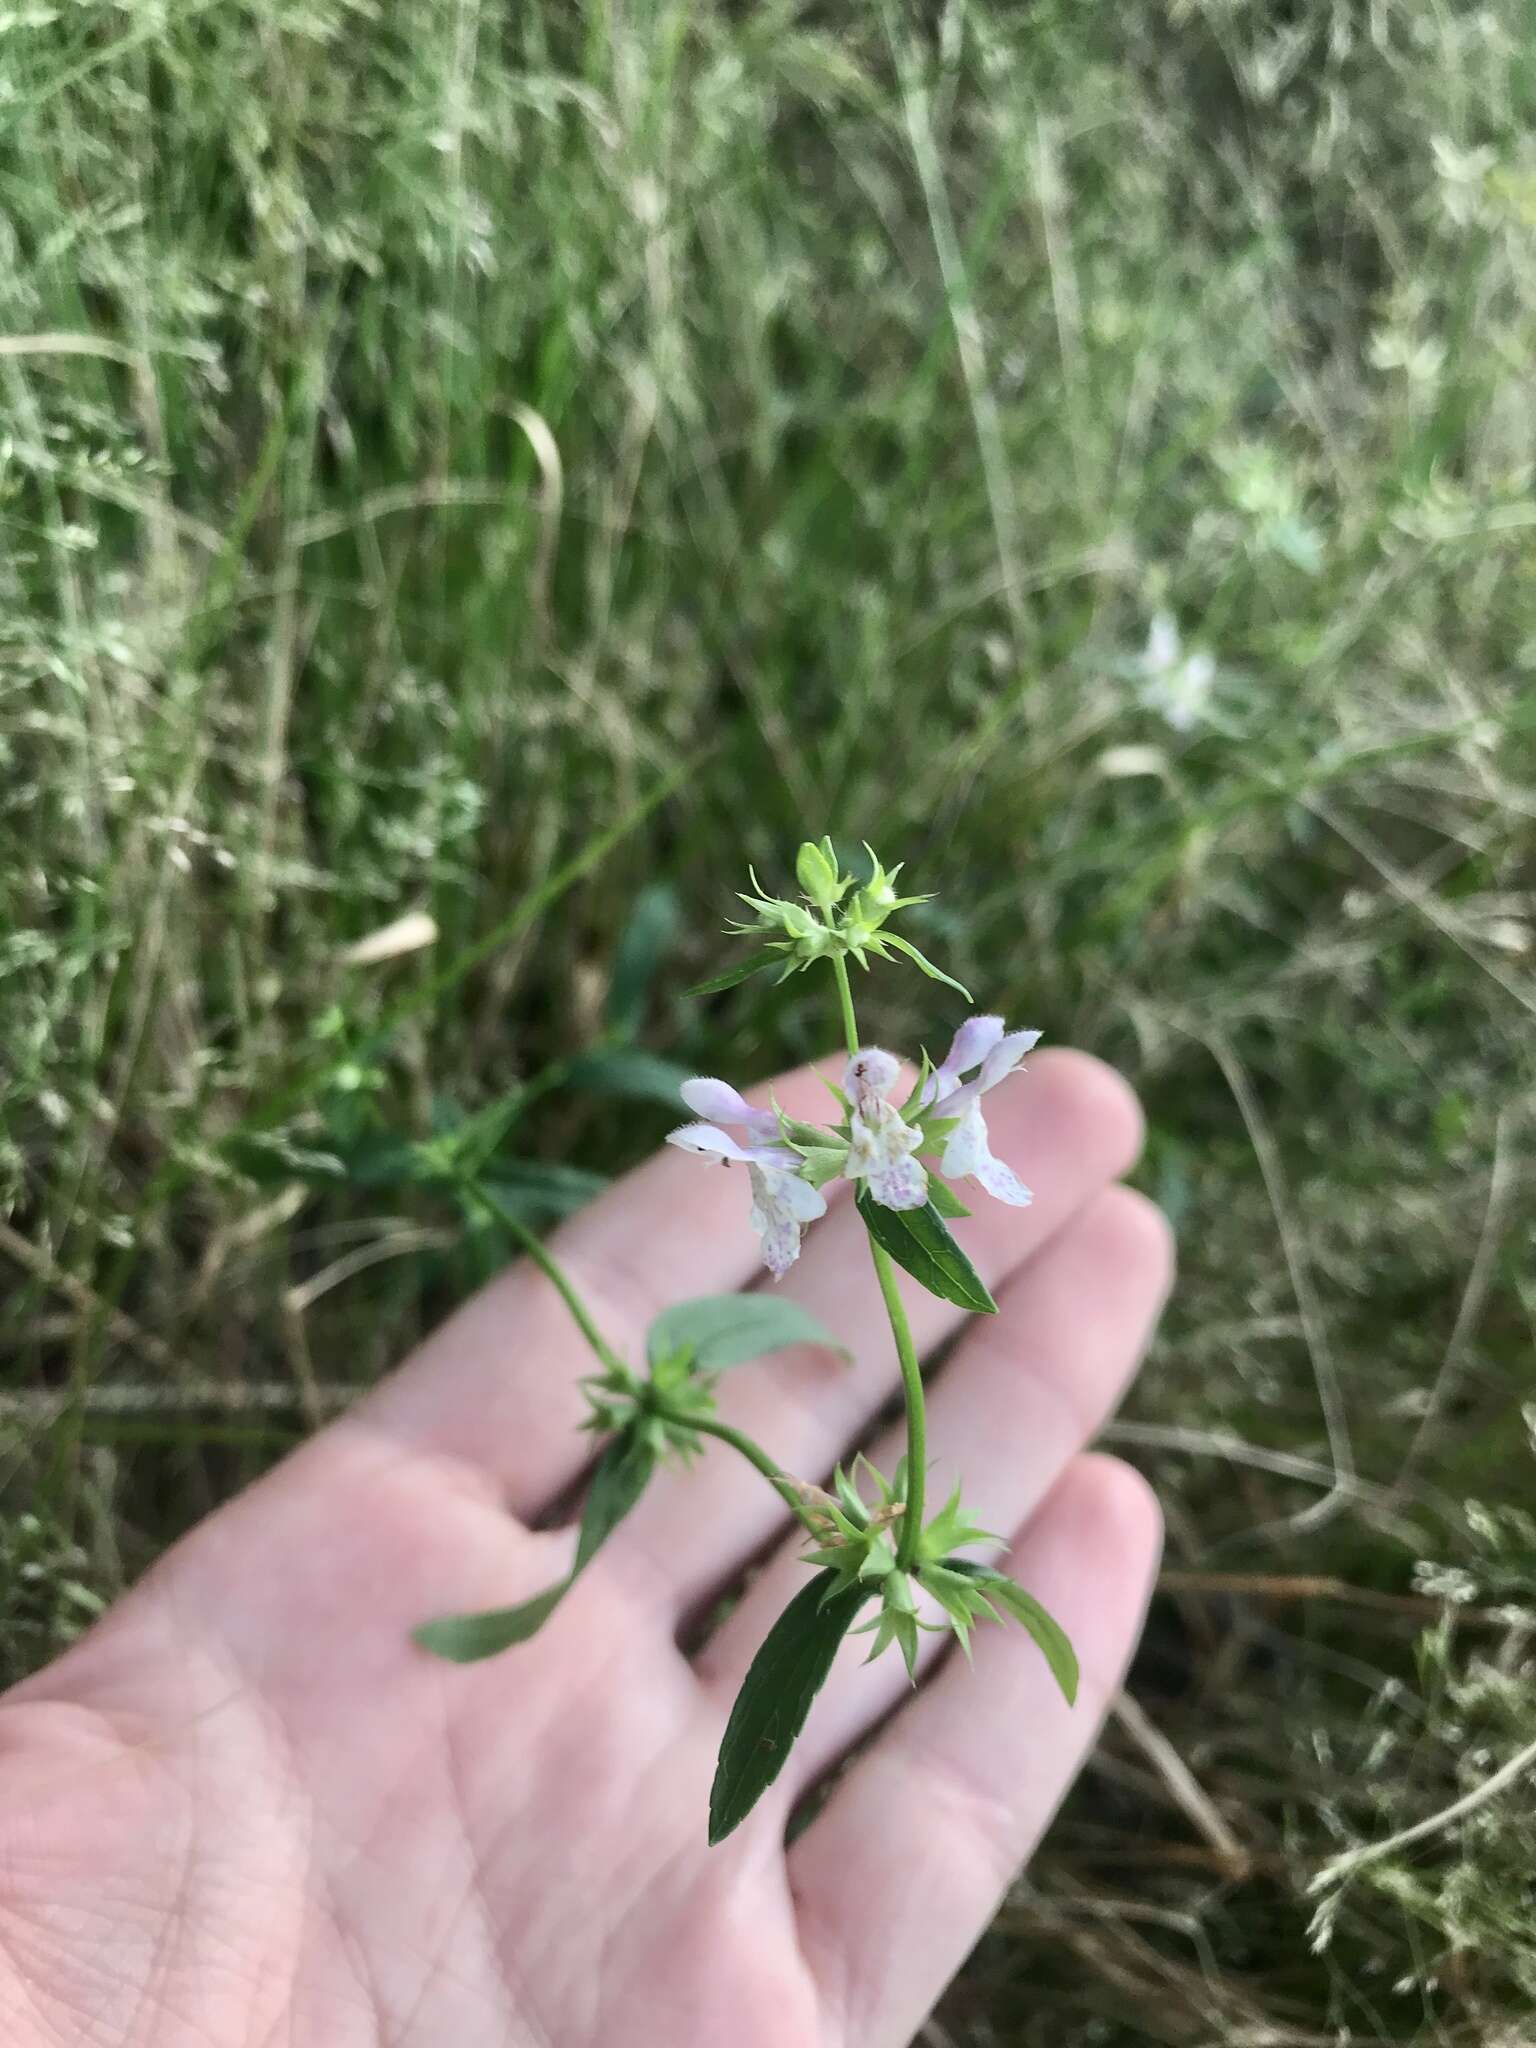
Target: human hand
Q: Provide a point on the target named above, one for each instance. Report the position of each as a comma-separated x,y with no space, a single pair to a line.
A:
246,1809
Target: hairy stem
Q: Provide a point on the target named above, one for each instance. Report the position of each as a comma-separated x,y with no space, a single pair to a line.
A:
901,1332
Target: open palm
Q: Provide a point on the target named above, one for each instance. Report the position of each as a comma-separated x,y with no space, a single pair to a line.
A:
246,1810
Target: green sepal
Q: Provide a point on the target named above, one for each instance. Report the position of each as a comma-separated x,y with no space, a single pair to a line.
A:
945,1200
822,1163
918,1241
1054,1644
785,1676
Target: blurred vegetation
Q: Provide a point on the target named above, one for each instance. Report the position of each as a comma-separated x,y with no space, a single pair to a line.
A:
425,429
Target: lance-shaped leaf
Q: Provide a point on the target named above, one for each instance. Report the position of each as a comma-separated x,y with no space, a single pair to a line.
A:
918,1240
786,1674
743,971
617,1484
1048,1633
628,1071
721,1330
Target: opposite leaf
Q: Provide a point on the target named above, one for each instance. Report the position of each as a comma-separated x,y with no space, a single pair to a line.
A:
729,979
1049,1635
617,1484
727,1329
918,1240
775,1698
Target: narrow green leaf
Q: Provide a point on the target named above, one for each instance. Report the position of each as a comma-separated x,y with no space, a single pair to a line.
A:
945,1200
617,1484
786,1674
729,979
727,1329
537,1189
466,1638
629,1072
1054,1643
640,951
933,973
918,1240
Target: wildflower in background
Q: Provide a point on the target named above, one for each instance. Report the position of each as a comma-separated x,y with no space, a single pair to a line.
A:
1174,684
982,1042
783,1202
880,1140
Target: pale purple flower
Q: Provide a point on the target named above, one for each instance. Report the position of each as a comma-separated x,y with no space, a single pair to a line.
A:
782,1202
985,1043
1175,682
880,1140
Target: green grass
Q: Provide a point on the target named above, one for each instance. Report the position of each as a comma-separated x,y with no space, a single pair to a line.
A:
426,428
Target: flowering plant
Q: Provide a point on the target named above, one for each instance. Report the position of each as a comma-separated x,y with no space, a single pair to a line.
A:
869,1544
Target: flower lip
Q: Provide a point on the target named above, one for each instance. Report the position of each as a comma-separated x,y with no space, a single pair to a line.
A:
719,1103
706,1140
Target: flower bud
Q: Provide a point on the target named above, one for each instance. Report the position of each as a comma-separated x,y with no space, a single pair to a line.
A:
816,872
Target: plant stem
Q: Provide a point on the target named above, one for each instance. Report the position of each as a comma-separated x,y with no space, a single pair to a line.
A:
901,1332
546,1264
845,997
753,1452
917,1412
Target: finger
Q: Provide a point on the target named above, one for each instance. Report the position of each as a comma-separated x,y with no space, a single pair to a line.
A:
1021,1397
497,1385
1071,1125
903,1870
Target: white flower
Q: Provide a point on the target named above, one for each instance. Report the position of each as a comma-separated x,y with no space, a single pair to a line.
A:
1176,685
782,1202
982,1042
880,1141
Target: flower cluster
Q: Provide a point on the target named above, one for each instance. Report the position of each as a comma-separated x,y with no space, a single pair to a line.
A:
856,1542
877,1144
837,919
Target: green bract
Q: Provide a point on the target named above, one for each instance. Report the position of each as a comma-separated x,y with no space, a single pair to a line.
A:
830,928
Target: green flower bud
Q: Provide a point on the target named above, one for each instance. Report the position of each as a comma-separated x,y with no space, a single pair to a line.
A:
816,872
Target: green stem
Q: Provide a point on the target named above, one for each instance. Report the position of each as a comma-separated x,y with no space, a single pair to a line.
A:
753,1452
901,1332
845,997
917,1413
602,1349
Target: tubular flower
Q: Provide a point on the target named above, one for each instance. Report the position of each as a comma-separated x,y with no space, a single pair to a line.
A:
782,1201
982,1042
881,1143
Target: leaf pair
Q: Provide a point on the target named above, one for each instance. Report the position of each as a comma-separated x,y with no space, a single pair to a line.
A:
797,1653
694,1338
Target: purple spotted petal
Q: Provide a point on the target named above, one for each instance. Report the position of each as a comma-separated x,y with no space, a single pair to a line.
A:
968,1156
781,1207
899,1184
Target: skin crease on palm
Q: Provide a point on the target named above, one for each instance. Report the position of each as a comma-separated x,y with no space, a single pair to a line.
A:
246,1812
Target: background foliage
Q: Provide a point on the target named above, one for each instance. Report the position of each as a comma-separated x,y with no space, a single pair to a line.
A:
425,427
